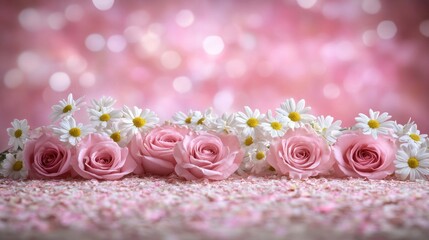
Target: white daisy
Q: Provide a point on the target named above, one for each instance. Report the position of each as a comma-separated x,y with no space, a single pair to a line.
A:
18,133
70,132
202,120
65,108
329,129
103,117
225,124
103,103
254,160
14,167
117,135
412,162
375,123
275,126
250,121
400,130
183,119
250,142
137,120
298,113
247,141
259,152
195,119
412,136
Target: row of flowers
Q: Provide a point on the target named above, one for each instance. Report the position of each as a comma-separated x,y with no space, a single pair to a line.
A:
196,145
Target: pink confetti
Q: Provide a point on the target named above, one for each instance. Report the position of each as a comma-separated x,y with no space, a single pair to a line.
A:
237,208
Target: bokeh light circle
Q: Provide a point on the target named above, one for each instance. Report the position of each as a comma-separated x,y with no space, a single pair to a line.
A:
59,81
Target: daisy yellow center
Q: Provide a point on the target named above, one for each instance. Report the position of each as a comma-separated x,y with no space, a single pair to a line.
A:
17,166
276,125
201,121
116,136
413,136
18,133
260,155
373,124
252,122
413,162
139,122
294,116
74,132
67,108
188,120
105,117
248,141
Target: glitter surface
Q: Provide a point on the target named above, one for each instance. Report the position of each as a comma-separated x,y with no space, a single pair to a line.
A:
237,208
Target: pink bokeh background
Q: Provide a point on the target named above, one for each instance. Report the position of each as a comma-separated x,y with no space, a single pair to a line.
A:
343,57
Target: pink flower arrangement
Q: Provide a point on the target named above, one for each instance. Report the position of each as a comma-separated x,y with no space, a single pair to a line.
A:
300,153
99,157
194,145
360,155
46,157
153,152
207,155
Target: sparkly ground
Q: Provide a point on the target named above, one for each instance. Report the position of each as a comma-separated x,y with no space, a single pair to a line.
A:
237,208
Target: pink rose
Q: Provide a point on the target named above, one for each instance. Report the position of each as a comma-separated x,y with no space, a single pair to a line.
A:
207,155
47,157
99,157
360,155
300,153
153,152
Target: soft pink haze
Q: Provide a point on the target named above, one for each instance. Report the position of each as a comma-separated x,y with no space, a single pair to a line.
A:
343,57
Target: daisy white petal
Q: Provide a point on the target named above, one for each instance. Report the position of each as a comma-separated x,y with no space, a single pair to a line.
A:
254,160
66,108
374,124
104,117
249,123
14,166
71,132
202,120
117,134
298,114
275,126
18,133
412,162
103,103
183,119
412,136
137,120
327,128
225,124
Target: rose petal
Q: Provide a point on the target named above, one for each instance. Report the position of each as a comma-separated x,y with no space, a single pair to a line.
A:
47,157
90,153
205,155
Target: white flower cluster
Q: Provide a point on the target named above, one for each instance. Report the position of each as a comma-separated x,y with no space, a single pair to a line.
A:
120,125
412,158
254,129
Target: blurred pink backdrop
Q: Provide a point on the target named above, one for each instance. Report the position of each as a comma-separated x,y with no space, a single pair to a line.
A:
343,57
